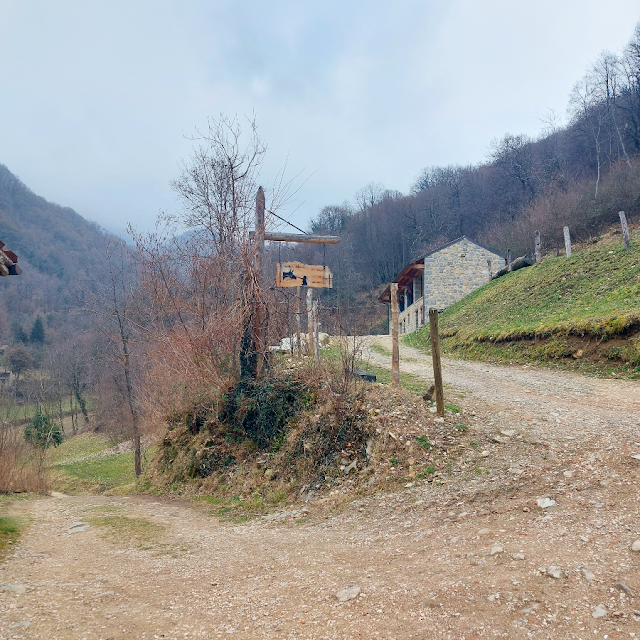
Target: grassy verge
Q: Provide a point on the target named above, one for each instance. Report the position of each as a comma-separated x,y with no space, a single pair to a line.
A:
378,348
81,465
11,527
122,530
582,312
411,382
240,509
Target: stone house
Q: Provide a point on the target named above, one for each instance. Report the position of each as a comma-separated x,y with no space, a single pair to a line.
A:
440,278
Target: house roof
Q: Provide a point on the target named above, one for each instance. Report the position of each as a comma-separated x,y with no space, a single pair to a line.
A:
416,268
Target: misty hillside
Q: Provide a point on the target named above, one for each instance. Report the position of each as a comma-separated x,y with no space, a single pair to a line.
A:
56,247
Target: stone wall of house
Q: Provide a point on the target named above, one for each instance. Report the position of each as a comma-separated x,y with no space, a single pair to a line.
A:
455,271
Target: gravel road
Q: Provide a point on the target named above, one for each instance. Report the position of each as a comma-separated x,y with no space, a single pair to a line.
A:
461,559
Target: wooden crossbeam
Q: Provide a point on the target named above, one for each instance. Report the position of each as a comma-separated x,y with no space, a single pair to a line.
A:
307,238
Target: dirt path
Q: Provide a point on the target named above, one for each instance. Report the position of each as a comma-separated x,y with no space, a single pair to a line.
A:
583,406
435,560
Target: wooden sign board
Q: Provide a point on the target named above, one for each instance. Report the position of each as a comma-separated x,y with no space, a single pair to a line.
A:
297,274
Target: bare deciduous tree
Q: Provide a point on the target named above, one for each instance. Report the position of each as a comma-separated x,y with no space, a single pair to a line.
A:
114,307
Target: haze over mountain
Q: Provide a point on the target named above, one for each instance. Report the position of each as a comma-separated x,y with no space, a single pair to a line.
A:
57,249
99,93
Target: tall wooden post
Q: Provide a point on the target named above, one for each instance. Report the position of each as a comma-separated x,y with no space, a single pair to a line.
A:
310,346
395,346
298,332
538,247
424,294
437,366
508,259
490,270
316,331
258,313
567,241
625,229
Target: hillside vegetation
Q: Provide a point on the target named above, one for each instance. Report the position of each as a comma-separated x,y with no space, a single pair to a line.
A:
578,172
583,310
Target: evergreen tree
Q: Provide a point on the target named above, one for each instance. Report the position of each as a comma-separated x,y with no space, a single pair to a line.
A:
42,431
37,331
20,334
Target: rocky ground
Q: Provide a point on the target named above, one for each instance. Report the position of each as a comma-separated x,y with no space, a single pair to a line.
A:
529,534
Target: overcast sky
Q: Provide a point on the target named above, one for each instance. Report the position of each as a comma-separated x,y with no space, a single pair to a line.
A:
96,96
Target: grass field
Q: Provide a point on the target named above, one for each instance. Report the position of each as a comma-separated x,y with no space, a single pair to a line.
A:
81,465
27,411
588,305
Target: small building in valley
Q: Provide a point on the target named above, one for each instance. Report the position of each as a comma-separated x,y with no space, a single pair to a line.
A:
440,278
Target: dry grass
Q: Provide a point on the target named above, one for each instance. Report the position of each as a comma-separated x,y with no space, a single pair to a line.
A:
22,468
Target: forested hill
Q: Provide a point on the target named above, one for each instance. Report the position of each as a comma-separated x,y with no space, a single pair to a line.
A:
579,174
57,249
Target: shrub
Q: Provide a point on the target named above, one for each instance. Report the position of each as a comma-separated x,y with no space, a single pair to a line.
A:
260,409
42,431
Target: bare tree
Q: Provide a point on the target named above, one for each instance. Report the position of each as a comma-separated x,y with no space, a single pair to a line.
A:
115,309
369,195
630,106
605,75
589,116
217,186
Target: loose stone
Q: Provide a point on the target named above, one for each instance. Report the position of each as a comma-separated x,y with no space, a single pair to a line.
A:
599,612
554,572
622,586
348,593
586,574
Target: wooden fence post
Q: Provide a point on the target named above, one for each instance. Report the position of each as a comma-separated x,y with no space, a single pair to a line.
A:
538,247
490,270
395,347
567,241
316,337
625,229
508,259
298,332
437,366
310,347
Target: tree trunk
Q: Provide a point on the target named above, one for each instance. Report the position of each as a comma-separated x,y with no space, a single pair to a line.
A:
82,403
132,406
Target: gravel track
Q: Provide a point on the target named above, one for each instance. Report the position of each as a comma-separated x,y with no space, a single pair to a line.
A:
432,561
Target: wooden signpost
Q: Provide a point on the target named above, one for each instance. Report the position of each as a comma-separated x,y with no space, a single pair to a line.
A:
289,274
297,274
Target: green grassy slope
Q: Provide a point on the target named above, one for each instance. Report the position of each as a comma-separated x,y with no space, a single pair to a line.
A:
85,464
583,309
